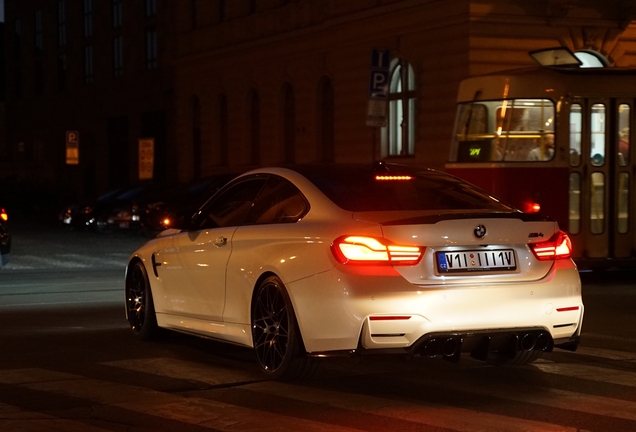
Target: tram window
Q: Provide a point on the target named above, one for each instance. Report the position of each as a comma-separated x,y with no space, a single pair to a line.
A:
623,203
597,203
597,139
502,130
576,121
575,203
623,134
472,143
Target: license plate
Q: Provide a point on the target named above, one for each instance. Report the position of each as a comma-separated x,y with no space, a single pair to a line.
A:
475,261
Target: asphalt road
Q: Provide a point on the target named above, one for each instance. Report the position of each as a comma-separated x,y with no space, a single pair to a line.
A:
69,363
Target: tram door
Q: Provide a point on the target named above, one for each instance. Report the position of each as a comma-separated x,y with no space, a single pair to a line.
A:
601,204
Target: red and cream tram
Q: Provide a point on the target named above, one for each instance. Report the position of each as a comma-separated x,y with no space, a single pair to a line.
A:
556,140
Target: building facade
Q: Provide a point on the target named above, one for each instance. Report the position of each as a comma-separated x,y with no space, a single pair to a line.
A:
234,84
97,70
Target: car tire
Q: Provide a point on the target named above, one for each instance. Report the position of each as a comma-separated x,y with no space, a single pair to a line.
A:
278,346
139,304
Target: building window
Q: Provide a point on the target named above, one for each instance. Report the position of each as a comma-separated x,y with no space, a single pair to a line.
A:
18,88
61,23
222,8
17,39
289,123
88,18
38,74
151,47
151,8
38,30
117,14
326,120
398,136
61,72
88,64
118,56
194,13
254,127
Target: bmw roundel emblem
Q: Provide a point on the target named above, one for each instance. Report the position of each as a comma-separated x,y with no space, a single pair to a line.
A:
480,231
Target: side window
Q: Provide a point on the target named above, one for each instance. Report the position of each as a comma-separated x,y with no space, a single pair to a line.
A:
279,202
230,207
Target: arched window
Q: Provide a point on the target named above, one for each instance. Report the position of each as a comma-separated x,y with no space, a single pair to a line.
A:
398,136
591,58
289,123
254,125
325,120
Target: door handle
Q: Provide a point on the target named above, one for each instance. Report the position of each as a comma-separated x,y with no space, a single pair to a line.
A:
220,241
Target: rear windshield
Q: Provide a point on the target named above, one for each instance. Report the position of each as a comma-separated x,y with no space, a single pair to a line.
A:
362,190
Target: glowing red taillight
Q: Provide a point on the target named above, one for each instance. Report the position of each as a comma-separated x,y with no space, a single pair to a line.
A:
559,246
363,250
3,215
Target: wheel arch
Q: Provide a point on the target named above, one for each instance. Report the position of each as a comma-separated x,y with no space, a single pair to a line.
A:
134,260
258,283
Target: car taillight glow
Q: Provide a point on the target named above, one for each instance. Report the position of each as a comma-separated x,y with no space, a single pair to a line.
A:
559,246
393,177
363,250
531,207
3,215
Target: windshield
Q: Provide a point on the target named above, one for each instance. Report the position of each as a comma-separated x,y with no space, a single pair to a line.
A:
504,130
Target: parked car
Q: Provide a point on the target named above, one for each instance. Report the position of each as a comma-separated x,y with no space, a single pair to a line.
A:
5,238
314,261
93,215
175,207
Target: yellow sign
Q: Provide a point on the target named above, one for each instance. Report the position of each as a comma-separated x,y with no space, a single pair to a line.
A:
72,148
146,158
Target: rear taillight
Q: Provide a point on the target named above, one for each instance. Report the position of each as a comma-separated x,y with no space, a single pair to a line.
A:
3,215
361,250
559,246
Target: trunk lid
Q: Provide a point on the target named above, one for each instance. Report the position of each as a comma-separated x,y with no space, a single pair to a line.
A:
460,247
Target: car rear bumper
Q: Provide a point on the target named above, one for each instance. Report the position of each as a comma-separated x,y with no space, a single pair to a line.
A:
355,311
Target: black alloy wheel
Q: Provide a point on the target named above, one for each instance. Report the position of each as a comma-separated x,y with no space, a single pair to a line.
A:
139,304
277,341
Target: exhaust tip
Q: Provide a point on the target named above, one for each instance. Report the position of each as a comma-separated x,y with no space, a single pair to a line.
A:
528,342
543,342
450,347
432,348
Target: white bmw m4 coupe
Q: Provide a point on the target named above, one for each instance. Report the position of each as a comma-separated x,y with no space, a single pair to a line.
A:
314,261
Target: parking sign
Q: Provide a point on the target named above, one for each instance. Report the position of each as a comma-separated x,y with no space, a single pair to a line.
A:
378,87
379,74
72,147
